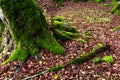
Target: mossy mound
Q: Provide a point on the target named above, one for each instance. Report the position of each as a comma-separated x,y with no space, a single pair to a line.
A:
62,31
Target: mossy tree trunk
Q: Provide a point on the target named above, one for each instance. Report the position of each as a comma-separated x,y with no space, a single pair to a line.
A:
28,28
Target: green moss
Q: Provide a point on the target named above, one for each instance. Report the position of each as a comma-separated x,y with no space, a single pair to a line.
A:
73,29
2,28
97,60
108,59
21,53
59,25
62,31
116,28
64,35
117,12
116,8
31,46
89,33
24,17
89,55
84,58
98,1
47,41
81,40
55,76
100,45
29,29
106,5
60,35
58,22
56,68
104,19
70,34
59,18
87,37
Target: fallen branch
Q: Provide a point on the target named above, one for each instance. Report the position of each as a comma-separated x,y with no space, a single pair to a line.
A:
30,77
90,55
80,60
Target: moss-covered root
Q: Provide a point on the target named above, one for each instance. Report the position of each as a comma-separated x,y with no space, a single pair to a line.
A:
47,41
90,55
64,35
19,53
56,68
22,52
116,8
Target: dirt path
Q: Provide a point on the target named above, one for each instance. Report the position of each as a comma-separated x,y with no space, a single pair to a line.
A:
87,16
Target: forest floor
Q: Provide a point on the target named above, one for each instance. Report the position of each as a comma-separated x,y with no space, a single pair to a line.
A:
88,16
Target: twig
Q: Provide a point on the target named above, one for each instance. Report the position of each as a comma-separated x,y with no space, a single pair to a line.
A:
30,77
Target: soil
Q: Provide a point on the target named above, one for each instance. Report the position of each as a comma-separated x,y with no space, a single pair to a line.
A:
86,16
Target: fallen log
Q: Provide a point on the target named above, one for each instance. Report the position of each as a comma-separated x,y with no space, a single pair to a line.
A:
102,48
90,55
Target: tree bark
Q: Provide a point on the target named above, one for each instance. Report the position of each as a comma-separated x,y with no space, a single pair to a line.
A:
28,28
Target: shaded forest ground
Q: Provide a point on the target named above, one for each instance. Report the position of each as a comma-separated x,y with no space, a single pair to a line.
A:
89,16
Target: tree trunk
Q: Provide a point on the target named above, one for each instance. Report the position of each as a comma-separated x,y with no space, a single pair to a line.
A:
28,28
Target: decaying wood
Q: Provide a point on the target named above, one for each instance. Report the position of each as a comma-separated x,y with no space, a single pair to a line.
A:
90,55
